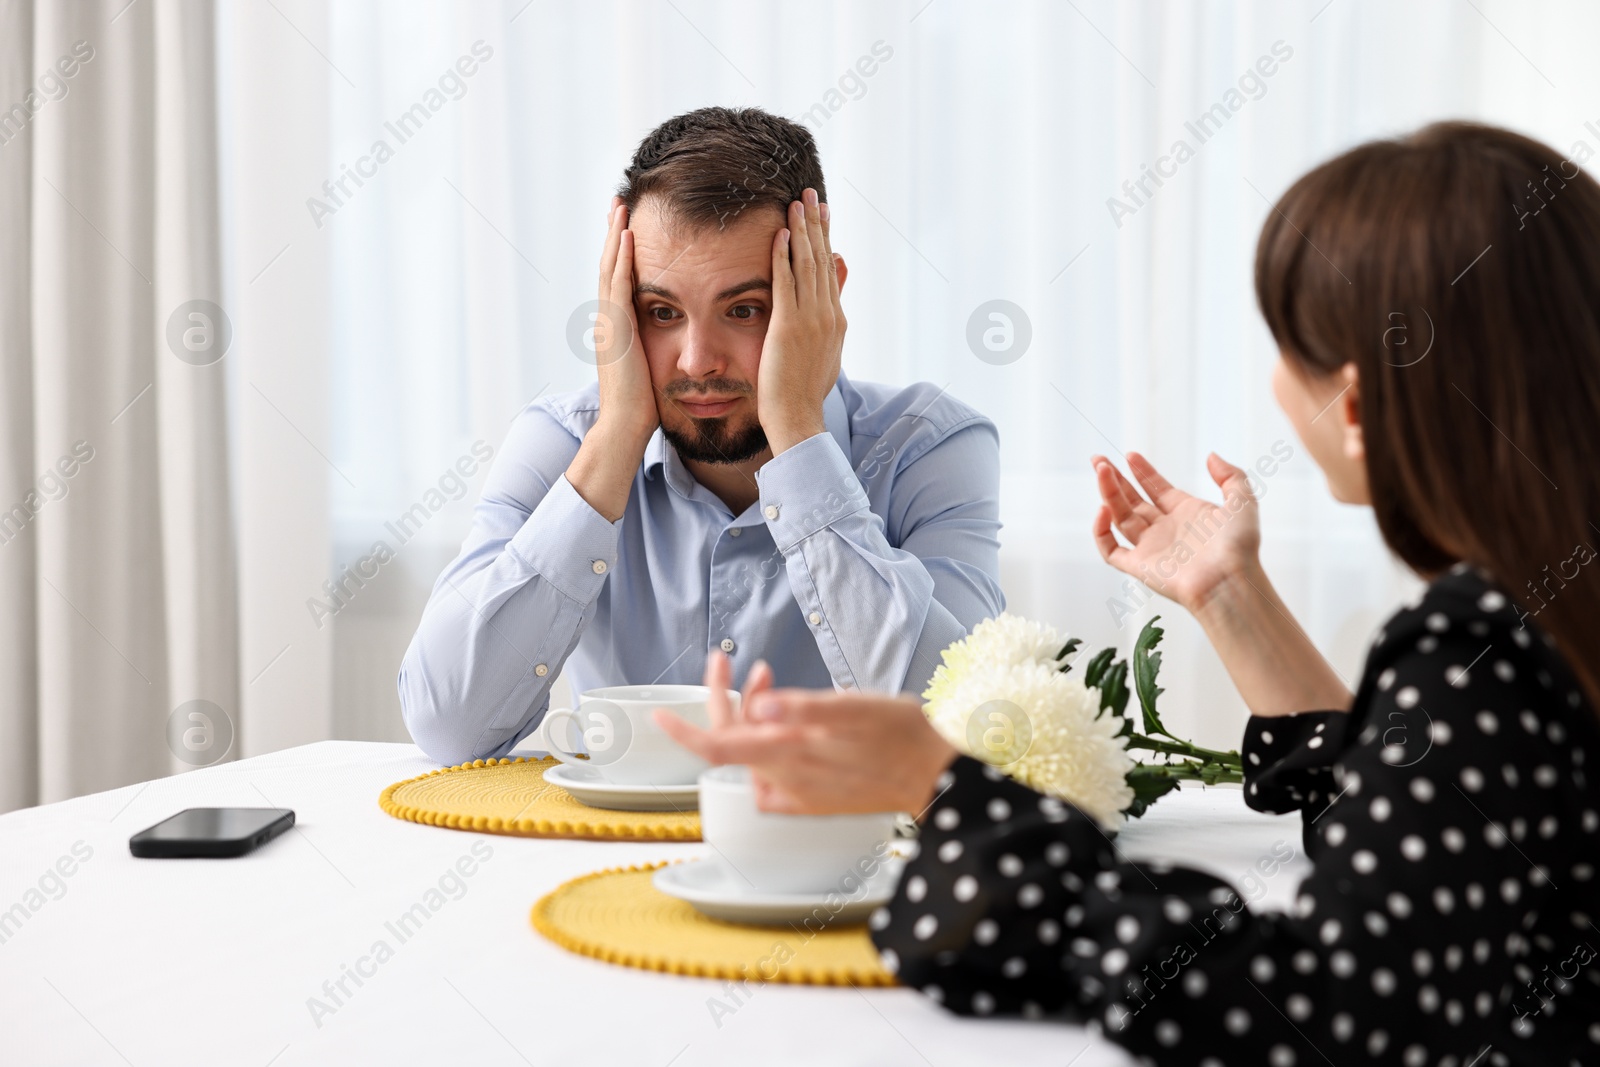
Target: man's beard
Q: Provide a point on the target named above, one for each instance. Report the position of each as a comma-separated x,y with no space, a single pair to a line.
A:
714,441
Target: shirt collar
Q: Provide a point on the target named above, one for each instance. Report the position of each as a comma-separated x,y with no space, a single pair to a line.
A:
660,454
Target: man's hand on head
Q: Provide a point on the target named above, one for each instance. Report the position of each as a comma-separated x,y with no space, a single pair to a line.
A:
627,397
602,471
800,356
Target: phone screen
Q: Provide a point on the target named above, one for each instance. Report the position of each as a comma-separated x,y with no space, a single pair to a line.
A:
213,824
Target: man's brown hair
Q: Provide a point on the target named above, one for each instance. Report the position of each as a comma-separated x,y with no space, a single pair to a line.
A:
1479,249
709,167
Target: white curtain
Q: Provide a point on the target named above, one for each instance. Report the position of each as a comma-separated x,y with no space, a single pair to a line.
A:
971,150
388,315
117,592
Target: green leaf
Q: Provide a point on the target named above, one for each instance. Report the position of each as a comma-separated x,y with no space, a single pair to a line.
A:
1097,666
1150,784
1146,665
1067,650
1114,689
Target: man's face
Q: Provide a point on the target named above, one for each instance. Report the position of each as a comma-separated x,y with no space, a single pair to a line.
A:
704,301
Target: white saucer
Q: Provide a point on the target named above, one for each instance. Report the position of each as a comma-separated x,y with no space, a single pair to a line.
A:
593,790
718,892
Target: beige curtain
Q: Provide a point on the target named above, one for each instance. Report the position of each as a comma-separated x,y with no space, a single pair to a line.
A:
118,596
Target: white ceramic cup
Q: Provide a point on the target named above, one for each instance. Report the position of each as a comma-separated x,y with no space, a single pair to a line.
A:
788,853
621,738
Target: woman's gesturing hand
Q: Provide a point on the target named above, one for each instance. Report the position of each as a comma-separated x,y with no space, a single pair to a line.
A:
1206,557
818,753
719,679
1183,547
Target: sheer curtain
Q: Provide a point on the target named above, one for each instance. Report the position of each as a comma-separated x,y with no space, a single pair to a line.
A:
974,152
393,307
118,615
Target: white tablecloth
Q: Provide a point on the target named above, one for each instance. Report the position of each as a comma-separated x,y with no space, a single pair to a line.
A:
215,962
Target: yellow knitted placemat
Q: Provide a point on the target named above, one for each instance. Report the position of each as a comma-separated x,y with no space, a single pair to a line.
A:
617,915
510,796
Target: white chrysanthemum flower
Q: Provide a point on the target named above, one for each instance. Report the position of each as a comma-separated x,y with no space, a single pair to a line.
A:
1000,696
1003,641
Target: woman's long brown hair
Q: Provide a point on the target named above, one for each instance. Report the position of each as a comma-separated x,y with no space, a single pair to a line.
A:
1459,270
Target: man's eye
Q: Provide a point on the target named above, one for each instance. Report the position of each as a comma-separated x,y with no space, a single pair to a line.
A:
744,311
661,314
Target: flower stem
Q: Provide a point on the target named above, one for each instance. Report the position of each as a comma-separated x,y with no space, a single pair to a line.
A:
1209,773
1187,749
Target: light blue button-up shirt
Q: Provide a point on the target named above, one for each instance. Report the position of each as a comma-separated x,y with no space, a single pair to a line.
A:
872,547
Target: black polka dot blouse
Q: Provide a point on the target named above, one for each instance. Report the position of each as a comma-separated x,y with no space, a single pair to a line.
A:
1450,918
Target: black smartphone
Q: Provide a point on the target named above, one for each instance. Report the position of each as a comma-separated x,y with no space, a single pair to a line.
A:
213,832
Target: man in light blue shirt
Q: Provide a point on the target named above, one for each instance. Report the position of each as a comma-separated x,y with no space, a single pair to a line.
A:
723,485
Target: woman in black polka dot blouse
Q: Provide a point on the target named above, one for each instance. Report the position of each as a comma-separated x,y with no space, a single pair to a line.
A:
1451,915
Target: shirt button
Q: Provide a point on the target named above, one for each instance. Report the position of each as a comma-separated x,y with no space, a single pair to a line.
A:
816,620
771,511
736,531
541,670
727,644
599,566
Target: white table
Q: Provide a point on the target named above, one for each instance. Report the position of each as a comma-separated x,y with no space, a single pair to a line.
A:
212,962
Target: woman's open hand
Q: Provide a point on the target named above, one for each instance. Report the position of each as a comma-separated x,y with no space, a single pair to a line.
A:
1183,547
1205,557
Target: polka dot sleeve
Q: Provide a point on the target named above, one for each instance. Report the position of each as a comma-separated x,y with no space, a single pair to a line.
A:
1449,918
1290,760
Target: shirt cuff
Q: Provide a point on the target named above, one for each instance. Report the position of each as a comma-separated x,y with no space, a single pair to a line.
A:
807,488
568,543
1288,760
